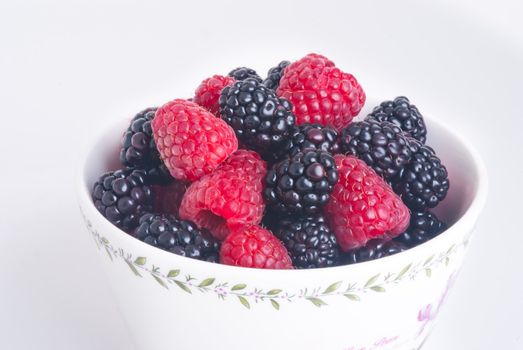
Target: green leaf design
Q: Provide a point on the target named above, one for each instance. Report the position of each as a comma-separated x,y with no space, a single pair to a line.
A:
428,272
173,273
447,261
244,302
206,282
108,252
403,272
450,249
274,292
183,287
429,260
105,240
333,287
352,297
316,301
275,304
371,281
133,268
140,261
239,286
160,281
378,289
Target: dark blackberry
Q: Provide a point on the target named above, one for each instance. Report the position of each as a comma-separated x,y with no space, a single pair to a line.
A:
274,75
402,114
122,196
423,226
301,184
374,249
139,149
243,73
261,120
305,136
177,236
309,241
382,145
424,182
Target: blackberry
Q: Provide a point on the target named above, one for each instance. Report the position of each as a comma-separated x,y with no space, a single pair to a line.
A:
423,226
261,120
243,73
122,196
177,236
139,149
309,241
382,145
424,182
301,184
402,114
274,75
305,136
374,249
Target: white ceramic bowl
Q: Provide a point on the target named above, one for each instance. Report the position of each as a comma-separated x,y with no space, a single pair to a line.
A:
171,302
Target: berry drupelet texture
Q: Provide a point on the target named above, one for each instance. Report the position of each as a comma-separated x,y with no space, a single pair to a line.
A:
402,114
302,183
423,226
139,149
122,196
423,183
373,250
207,94
309,241
260,119
382,145
243,73
177,236
274,75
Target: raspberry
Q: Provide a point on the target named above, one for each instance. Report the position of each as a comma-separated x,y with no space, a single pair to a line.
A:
424,182
320,92
302,183
122,196
382,145
177,236
363,206
139,149
309,241
192,141
402,114
243,73
254,246
274,75
261,120
375,249
167,199
229,197
208,93
423,226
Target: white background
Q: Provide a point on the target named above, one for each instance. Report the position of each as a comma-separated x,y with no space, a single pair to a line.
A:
66,67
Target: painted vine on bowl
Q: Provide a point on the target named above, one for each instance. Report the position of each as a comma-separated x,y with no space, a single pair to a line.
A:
247,295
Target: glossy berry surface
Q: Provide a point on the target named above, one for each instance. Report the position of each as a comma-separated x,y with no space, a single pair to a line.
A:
363,206
302,183
139,149
402,114
309,241
274,75
191,140
381,145
373,250
423,227
243,73
254,246
208,92
122,196
424,182
177,236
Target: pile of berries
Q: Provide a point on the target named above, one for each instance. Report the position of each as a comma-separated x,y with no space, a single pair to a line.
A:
275,173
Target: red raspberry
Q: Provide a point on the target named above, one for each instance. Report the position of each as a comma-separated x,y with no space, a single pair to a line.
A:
321,93
228,198
208,93
167,199
363,206
192,141
254,246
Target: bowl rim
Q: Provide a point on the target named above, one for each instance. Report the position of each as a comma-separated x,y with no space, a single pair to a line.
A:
470,215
